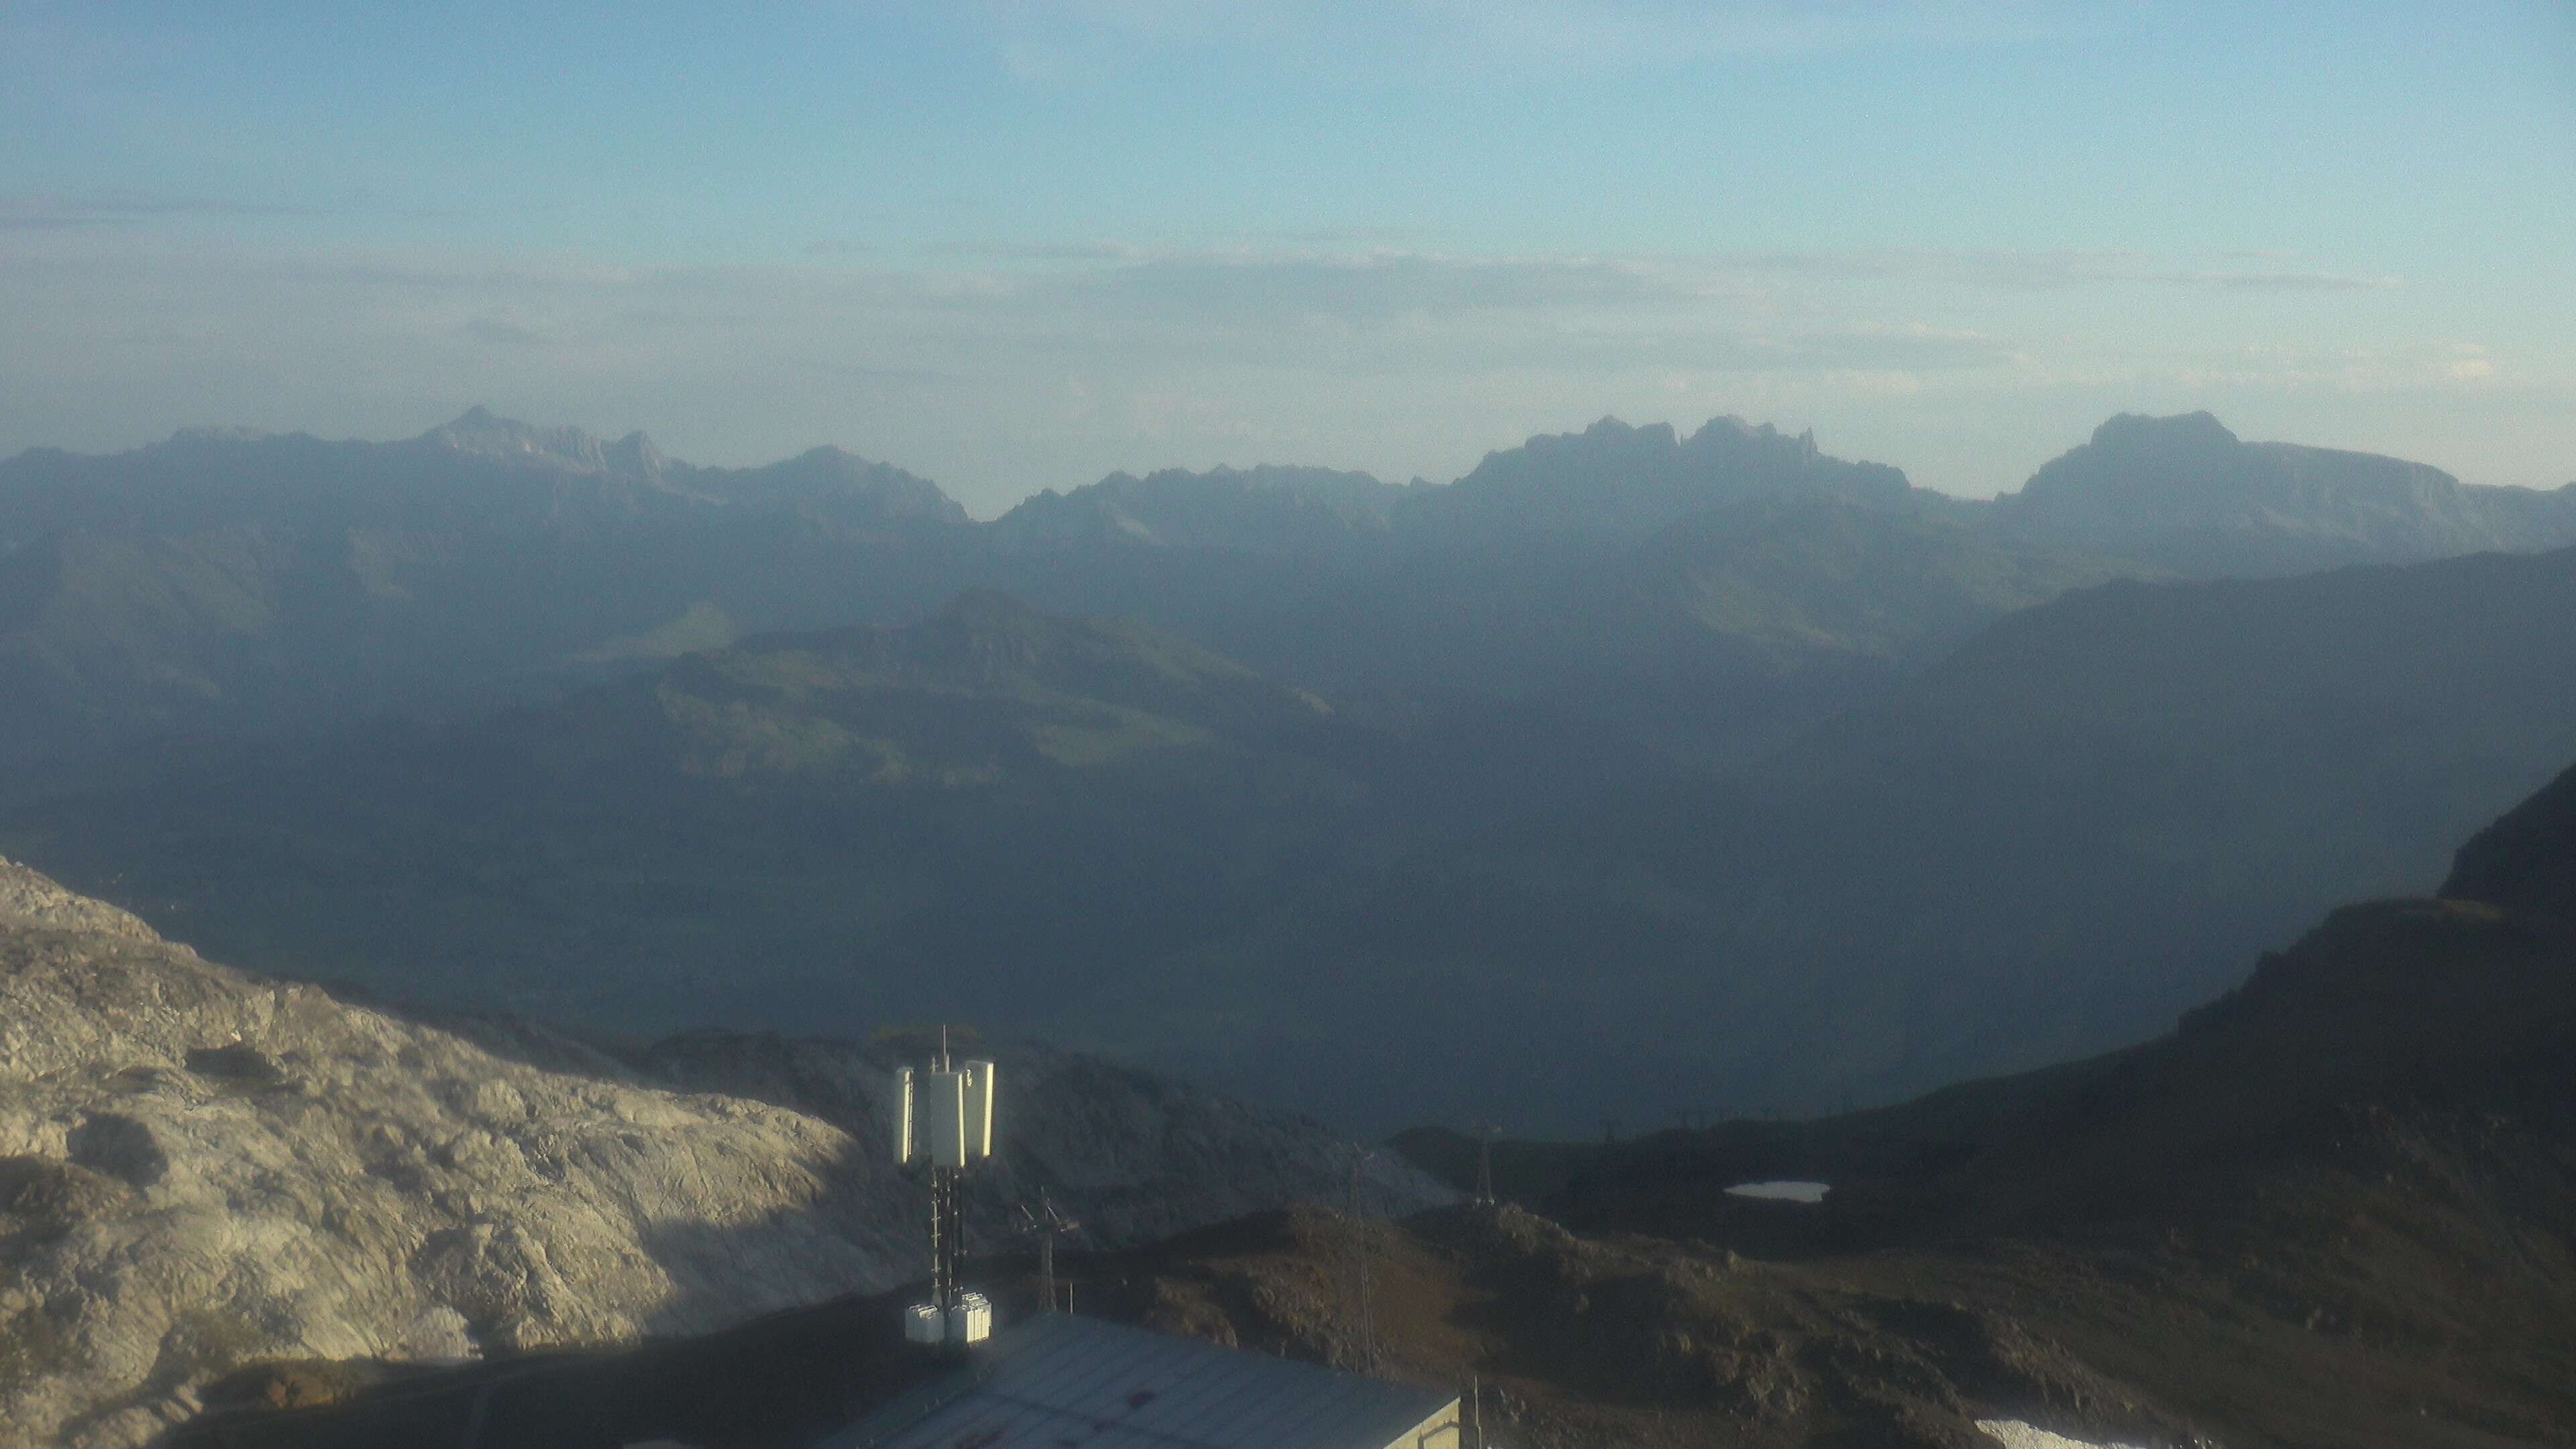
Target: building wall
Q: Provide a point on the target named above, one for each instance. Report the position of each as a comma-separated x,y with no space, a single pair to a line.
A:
1440,1431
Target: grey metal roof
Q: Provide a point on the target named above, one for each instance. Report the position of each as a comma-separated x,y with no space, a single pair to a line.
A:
1060,1380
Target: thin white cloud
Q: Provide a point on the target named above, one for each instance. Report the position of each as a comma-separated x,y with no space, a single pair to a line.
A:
2050,270
1028,367
1075,41
45,211
1665,32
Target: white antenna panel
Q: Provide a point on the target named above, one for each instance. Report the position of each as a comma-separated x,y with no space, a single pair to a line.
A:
900,1117
939,1102
981,1088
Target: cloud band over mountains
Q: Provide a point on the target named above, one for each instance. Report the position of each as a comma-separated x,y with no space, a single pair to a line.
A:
1003,369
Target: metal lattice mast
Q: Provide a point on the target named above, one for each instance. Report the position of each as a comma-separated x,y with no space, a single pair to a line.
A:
943,1122
947,1237
1047,1224
1364,1308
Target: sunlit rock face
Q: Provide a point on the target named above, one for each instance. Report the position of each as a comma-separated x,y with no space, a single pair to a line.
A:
199,1167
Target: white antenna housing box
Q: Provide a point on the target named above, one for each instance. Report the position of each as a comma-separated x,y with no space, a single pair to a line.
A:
944,1116
982,1085
900,1117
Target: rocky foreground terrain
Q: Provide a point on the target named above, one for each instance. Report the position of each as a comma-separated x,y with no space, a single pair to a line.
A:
200,1168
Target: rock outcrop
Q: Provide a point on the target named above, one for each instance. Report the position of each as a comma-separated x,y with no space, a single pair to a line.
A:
200,1167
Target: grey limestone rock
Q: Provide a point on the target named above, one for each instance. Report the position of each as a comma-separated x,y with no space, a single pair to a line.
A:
200,1167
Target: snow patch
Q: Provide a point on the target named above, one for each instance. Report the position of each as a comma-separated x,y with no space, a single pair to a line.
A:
1781,1191
2014,1434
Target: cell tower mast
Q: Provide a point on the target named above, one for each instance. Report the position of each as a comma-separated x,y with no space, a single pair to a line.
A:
943,1122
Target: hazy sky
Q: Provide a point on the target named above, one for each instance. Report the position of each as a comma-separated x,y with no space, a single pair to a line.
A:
1018,245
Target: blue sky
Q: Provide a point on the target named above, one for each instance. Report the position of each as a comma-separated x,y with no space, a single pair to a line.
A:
1018,245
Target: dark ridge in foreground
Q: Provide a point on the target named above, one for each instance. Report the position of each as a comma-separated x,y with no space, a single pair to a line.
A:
2527,860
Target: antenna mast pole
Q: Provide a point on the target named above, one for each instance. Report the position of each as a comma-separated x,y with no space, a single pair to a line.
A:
947,1237
1365,1310
943,1119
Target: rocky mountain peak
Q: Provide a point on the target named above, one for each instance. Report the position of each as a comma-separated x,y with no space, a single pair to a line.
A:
635,454
1610,429
2187,493
2179,433
1621,482
28,899
479,432
832,484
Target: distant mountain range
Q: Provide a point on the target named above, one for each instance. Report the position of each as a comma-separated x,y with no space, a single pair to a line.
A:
223,586
227,586
1765,773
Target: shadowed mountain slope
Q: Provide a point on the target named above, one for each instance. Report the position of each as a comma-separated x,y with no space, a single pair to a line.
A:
978,816
2046,844
224,586
2336,1205
2527,860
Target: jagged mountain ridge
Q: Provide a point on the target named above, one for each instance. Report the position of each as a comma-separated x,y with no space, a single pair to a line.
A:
199,1166
1617,482
1609,483
479,472
222,586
